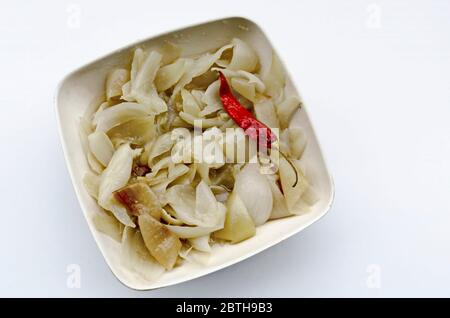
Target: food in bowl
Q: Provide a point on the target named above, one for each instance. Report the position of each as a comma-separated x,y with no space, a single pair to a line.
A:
190,151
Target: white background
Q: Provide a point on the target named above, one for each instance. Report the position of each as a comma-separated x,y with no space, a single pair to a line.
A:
376,78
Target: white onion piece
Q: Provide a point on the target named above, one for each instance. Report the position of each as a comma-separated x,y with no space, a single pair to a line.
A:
170,52
119,212
203,171
254,190
101,108
190,104
162,145
193,256
244,88
91,183
85,128
297,142
126,92
220,192
182,200
136,258
280,209
287,179
136,63
286,110
153,100
265,113
95,165
234,145
182,150
298,138
157,178
120,113
114,177
310,196
301,207
198,67
207,148
146,72
284,142
201,243
211,96
296,120
114,82
249,77
196,207
203,123
244,57
204,62
169,75
143,158
141,88
176,172
274,78
207,209
108,225
161,164
166,216
188,177
101,147
185,232
253,79
137,131
210,109
246,84
198,95
138,59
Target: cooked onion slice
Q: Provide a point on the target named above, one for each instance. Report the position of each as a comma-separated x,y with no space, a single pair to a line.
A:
136,258
137,131
114,82
196,207
139,199
191,231
254,190
201,243
162,243
239,225
114,177
101,147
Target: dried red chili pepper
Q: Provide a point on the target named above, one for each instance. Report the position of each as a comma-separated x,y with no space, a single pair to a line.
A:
245,119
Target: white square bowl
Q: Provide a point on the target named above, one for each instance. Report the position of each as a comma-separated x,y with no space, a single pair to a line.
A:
83,86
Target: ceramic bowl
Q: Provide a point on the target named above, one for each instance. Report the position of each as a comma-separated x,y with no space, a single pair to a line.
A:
83,86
